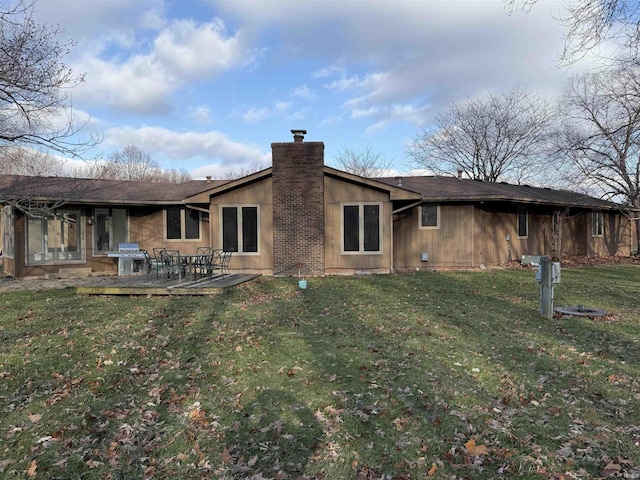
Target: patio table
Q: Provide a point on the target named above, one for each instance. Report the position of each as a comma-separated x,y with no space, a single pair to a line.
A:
191,262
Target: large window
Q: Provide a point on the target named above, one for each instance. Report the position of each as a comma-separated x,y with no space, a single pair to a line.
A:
8,242
523,222
55,238
110,228
361,228
240,228
430,215
182,224
597,224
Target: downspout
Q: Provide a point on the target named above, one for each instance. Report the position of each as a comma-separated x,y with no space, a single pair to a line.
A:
207,211
406,207
473,236
393,212
391,269
193,207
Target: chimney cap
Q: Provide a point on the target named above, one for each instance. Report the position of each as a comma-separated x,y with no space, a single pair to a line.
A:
298,135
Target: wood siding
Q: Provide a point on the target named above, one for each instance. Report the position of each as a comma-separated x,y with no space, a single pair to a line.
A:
449,246
473,235
336,193
258,193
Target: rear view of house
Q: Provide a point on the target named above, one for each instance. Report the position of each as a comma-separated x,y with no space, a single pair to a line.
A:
302,216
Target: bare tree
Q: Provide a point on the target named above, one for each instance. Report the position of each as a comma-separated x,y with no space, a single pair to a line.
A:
590,23
15,160
601,132
365,162
492,139
132,164
244,171
35,106
36,111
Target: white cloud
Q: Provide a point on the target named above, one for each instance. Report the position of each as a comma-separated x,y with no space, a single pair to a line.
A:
140,85
329,71
179,147
282,106
189,50
201,114
303,91
359,113
254,115
370,81
143,83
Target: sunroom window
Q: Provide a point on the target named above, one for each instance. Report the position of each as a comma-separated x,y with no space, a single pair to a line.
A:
55,238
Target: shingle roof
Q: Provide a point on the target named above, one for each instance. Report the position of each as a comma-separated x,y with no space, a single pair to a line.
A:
440,189
103,191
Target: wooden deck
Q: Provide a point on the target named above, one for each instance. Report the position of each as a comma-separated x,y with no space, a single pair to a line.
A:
141,285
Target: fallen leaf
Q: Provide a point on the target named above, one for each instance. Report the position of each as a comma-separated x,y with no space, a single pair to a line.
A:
432,471
31,471
35,417
474,449
226,456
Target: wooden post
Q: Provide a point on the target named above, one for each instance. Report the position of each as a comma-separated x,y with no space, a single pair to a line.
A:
546,288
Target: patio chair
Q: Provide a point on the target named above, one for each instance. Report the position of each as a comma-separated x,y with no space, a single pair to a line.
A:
173,265
225,257
213,263
158,252
153,264
200,262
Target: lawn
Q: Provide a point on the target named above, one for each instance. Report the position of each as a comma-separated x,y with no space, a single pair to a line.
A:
428,375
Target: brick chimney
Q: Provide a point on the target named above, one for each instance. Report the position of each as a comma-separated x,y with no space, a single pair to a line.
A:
298,206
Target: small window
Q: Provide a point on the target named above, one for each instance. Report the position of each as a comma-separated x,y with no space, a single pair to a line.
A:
182,224
430,215
240,228
556,223
597,225
361,228
523,223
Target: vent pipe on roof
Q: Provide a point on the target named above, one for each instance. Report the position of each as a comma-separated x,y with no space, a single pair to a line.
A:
460,171
399,181
298,135
208,177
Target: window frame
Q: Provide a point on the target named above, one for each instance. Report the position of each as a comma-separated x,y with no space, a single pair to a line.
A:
183,224
60,254
519,212
597,223
240,227
8,231
361,228
420,217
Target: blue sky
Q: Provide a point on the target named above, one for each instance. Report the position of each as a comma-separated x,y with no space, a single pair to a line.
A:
207,85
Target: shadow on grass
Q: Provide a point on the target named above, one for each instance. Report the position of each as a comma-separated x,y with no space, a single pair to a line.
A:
275,434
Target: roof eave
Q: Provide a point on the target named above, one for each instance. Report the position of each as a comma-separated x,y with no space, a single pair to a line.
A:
395,193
